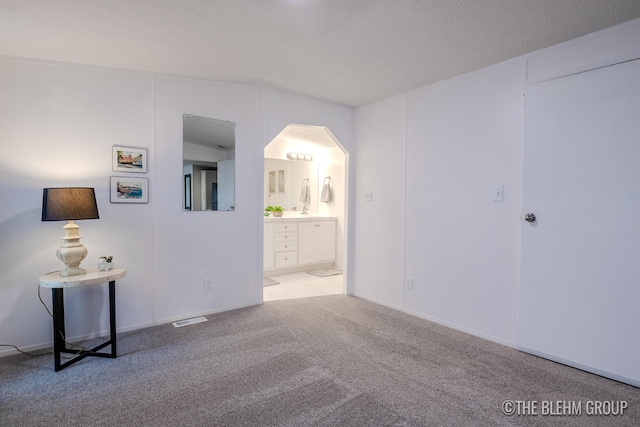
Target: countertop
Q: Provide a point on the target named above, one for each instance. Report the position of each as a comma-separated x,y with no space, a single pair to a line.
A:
297,216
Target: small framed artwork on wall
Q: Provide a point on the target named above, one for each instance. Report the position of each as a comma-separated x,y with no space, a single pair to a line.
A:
129,159
125,189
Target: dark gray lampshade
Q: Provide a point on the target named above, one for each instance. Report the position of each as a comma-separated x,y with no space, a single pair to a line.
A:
70,203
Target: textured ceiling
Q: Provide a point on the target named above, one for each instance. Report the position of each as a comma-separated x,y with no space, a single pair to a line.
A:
352,52
218,134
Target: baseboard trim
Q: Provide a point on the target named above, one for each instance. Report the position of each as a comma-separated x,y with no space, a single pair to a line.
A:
462,329
202,313
441,322
49,344
582,367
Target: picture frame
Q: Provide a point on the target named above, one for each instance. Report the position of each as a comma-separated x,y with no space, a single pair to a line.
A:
129,189
129,159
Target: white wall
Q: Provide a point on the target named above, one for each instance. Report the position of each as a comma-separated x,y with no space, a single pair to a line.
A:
57,127
282,108
379,232
192,246
452,142
463,138
335,166
58,123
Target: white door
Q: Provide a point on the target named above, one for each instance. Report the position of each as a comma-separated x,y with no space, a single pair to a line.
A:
307,243
203,190
326,241
580,266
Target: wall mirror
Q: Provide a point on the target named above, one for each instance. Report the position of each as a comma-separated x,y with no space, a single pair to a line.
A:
284,180
208,164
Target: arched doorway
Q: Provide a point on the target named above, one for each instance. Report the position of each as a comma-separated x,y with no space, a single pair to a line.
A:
305,250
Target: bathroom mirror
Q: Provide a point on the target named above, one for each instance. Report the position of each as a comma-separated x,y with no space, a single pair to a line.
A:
284,180
208,164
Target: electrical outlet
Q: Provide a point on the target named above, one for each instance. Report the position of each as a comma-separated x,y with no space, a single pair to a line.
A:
208,284
368,196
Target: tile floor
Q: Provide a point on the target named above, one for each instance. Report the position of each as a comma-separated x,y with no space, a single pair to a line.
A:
302,285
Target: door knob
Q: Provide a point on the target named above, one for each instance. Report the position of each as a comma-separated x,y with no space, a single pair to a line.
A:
529,217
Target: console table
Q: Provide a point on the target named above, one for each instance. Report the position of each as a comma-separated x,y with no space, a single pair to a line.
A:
57,284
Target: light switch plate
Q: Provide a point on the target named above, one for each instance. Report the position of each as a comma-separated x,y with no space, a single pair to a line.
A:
498,193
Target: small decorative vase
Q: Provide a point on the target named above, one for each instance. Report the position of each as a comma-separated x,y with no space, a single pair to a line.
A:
277,213
103,265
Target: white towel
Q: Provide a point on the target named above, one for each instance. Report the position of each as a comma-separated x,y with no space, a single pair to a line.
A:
326,193
305,194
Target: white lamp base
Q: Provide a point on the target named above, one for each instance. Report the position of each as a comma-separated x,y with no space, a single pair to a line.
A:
72,252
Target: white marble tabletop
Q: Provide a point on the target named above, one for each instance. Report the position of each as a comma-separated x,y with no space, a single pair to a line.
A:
92,277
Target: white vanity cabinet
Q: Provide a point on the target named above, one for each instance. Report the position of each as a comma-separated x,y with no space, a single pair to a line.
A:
296,244
286,244
316,242
269,253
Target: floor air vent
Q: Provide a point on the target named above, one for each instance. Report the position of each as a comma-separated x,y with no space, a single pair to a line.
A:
187,322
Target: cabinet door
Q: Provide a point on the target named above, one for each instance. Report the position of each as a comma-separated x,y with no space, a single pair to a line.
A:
269,245
307,243
326,249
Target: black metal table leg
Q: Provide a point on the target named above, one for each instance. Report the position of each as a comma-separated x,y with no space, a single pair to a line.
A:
112,317
57,283
59,343
57,296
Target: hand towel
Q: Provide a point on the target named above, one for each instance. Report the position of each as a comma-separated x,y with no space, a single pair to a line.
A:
305,194
326,193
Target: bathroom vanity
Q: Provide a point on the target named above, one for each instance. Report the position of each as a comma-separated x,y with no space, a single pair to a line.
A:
299,243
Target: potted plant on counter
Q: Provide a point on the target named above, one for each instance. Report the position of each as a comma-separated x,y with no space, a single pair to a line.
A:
277,211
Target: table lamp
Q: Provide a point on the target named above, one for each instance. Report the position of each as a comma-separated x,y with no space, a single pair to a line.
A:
70,204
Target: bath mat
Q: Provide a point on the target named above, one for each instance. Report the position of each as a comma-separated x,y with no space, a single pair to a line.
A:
266,281
324,272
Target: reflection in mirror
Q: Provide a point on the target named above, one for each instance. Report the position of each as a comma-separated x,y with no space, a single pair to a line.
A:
284,181
208,164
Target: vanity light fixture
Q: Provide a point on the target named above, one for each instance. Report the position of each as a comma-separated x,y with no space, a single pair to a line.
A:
70,204
299,156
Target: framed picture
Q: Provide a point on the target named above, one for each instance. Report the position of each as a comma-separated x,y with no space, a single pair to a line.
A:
126,189
129,159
